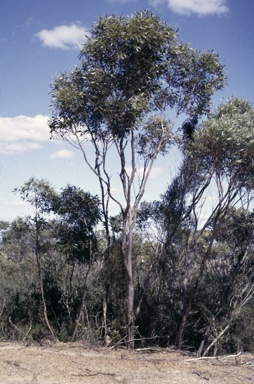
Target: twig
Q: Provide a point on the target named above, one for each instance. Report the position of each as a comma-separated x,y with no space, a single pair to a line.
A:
89,373
202,377
119,343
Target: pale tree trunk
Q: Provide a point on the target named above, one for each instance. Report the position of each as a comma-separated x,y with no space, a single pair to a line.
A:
127,246
45,312
129,221
131,319
105,325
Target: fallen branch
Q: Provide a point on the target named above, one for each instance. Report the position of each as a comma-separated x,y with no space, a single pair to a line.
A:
149,349
215,340
202,358
213,357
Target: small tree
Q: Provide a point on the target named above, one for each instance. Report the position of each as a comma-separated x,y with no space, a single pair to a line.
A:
78,213
133,71
40,195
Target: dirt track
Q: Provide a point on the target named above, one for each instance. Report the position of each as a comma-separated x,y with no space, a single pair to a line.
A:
75,364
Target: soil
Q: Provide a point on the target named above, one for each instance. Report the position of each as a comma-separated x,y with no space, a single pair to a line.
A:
77,363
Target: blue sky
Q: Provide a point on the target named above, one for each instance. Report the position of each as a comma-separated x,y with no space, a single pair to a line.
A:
41,38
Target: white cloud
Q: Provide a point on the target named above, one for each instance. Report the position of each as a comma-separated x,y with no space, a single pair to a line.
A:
15,148
23,133
62,154
63,36
200,7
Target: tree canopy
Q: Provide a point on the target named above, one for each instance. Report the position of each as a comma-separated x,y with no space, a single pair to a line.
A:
131,67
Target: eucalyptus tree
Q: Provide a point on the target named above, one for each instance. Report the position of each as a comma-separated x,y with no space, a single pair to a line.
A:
216,175
133,75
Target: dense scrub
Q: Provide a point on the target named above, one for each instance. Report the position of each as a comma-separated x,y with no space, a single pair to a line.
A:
86,299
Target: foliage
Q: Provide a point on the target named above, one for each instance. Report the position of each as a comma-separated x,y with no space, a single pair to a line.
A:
226,142
78,214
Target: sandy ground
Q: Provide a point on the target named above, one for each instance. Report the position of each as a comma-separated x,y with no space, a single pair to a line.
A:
75,364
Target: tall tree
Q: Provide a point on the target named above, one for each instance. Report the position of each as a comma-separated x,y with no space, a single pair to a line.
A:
216,175
133,70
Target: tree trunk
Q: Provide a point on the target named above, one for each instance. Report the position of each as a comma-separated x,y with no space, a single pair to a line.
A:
184,318
45,312
127,245
105,325
131,319
79,314
38,260
187,308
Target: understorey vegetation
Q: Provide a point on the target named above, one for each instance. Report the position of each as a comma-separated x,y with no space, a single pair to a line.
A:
194,284
178,271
